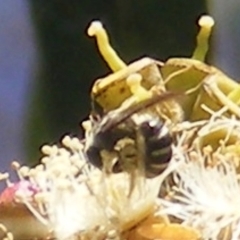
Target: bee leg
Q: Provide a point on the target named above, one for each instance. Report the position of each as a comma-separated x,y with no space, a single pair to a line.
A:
132,182
108,161
128,167
127,161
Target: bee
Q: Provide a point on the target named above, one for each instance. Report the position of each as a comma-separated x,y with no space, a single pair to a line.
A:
130,137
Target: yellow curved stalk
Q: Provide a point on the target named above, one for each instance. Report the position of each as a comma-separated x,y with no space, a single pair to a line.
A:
206,23
108,53
134,83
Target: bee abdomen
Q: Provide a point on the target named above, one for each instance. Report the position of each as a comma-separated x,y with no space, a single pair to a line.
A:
159,150
154,170
158,147
157,161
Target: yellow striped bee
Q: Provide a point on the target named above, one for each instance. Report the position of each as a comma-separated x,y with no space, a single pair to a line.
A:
130,137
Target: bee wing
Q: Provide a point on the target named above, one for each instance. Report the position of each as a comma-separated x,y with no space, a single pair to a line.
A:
117,116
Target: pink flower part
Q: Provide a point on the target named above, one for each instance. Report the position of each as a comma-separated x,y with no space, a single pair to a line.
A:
8,194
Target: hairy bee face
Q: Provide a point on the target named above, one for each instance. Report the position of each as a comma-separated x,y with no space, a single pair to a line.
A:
126,139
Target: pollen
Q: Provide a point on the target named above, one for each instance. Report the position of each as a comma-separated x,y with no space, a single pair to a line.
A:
71,196
206,21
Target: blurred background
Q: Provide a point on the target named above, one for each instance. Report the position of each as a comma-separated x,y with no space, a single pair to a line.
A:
48,63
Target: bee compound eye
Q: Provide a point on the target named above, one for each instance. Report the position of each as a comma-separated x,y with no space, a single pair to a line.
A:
94,156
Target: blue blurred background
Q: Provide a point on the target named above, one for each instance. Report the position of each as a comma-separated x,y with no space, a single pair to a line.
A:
47,63
18,59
